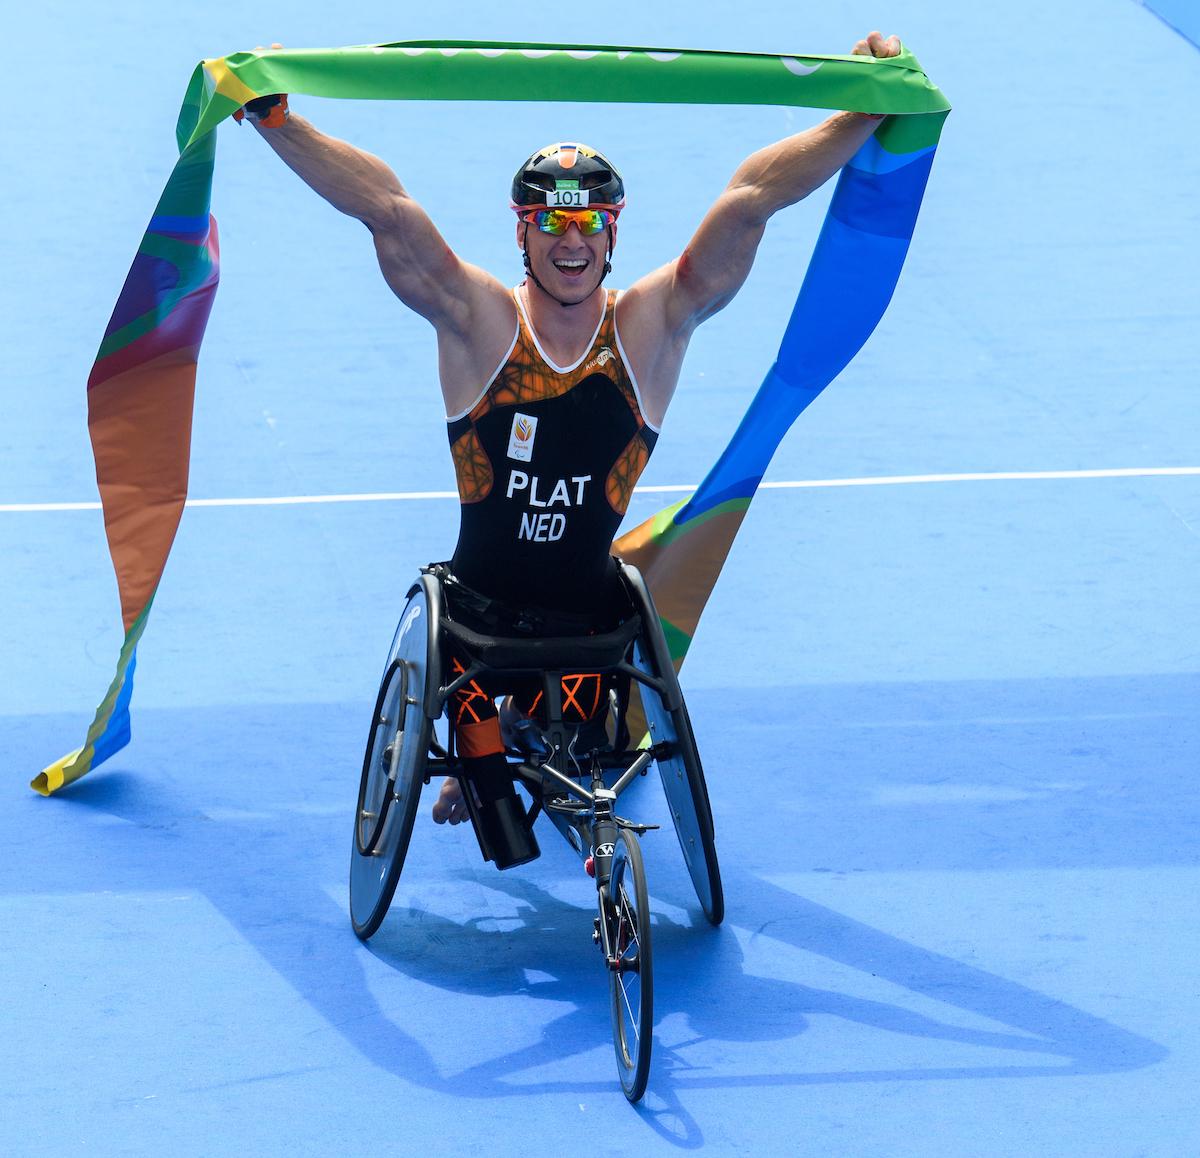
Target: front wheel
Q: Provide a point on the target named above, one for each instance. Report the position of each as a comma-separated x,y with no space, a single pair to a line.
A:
630,965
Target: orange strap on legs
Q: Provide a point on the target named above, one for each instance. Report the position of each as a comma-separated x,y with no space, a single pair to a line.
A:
476,723
472,704
480,738
581,697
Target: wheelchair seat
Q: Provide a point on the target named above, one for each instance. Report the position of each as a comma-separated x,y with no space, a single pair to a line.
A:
505,654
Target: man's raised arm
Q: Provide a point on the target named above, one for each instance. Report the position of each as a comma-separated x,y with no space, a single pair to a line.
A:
713,267
416,262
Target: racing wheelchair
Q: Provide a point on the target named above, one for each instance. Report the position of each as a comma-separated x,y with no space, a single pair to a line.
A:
574,774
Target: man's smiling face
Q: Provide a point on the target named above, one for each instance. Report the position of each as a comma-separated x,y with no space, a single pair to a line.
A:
571,266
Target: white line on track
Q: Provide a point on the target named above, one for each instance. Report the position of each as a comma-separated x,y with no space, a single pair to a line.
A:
675,489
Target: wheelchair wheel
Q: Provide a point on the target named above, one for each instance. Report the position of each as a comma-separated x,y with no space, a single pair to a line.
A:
631,974
686,792
393,771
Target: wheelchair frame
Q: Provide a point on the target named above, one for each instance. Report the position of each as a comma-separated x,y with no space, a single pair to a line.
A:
403,753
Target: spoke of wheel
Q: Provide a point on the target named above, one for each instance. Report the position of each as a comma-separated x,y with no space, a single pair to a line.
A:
623,921
626,908
629,1010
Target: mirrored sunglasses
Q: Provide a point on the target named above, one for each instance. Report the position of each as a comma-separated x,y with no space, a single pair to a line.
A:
558,221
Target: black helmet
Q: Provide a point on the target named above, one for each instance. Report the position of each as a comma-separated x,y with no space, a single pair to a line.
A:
568,175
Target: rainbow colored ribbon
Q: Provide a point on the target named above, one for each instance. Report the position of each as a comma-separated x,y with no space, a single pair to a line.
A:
141,387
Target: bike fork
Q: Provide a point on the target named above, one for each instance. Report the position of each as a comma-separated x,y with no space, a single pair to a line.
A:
604,840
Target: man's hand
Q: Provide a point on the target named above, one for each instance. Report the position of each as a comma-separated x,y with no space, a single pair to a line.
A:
876,44
268,111
271,111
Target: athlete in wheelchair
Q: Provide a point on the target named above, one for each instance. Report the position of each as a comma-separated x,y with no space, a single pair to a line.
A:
546,454
533,606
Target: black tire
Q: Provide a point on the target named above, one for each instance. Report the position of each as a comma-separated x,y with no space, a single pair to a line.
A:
375,795
686,792
393,771
705,831
631,978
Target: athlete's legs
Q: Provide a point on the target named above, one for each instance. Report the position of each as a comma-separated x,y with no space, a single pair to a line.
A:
582,699
477,729
481,744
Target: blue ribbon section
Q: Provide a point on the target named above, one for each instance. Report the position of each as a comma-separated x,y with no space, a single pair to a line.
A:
193,228
848,285
117,732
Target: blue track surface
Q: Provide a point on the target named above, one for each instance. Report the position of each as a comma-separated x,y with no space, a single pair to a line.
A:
1182,15
950,727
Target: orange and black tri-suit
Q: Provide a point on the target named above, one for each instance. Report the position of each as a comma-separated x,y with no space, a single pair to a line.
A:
546,460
